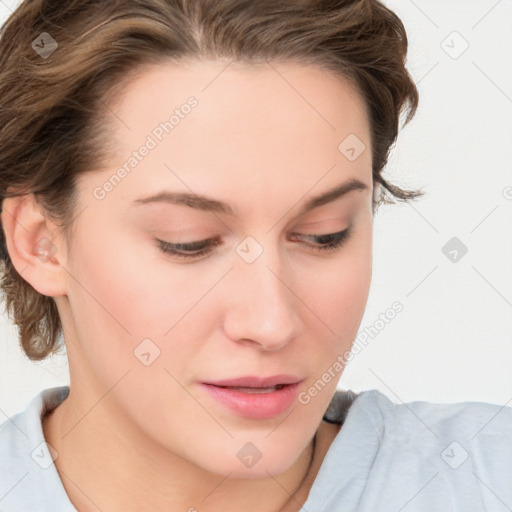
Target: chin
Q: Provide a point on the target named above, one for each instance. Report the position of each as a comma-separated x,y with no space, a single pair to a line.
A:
246,461
258,471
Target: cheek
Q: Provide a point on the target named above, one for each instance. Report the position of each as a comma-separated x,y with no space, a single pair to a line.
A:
112,299
338,290
122,305
337,293
121,294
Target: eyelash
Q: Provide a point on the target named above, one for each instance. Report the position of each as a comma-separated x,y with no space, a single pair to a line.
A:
334,243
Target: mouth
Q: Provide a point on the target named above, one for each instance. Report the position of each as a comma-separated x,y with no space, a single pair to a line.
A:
255,390
254,402
256,382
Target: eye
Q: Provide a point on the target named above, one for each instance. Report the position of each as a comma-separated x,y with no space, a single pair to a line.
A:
191,250
330,242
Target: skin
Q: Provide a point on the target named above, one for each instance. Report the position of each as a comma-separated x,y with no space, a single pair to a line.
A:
264,142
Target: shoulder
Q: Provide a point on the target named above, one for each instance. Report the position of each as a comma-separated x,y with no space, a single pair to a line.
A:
454,432
475,420
454,456
456,428
30,481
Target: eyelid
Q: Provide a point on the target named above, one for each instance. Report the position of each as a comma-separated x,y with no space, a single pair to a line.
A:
330,238
320,235
198,244
195,245
194,250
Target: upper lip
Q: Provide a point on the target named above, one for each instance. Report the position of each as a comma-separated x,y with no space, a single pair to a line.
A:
256,382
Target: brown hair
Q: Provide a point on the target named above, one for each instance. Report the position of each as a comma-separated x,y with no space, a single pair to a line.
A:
54,105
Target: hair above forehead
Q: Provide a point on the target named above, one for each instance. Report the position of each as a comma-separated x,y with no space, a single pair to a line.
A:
61,63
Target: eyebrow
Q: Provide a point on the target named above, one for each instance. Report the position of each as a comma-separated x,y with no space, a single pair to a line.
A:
208,204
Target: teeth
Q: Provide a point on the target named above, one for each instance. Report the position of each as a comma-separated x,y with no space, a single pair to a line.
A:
256,390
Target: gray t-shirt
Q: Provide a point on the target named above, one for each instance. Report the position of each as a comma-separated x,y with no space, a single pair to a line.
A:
387,457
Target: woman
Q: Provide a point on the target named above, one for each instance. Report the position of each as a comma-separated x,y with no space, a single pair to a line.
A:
188,197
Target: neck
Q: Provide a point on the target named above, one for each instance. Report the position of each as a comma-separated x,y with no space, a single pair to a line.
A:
105,463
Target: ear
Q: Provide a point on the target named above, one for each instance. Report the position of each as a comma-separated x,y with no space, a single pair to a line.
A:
34,244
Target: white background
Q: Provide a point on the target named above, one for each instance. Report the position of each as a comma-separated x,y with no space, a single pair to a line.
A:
452,341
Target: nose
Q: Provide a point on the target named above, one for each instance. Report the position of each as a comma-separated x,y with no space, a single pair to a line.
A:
263,304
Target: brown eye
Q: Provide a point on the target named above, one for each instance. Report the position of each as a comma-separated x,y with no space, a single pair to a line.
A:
329,242
190,250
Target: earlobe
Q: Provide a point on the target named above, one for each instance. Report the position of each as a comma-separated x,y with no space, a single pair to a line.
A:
34,247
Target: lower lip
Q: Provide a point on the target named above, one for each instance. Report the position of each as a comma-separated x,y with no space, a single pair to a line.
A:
256,406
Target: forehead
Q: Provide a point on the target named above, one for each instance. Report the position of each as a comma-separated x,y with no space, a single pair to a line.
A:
242,99
280,77
251,127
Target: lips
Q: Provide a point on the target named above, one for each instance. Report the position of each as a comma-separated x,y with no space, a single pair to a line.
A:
274,381
258,398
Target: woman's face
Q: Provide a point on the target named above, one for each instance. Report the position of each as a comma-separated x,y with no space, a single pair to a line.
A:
150,327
